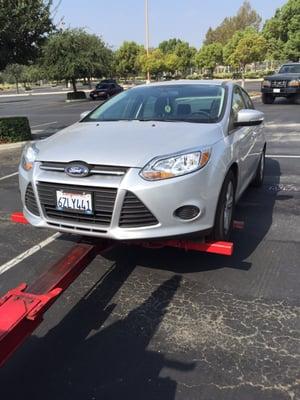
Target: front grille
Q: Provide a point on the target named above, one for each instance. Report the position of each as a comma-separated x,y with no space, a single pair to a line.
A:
30,201
134,213
94,169
103,203
278,84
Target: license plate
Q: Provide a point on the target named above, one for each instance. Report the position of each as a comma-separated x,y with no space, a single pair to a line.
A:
70,201
276,90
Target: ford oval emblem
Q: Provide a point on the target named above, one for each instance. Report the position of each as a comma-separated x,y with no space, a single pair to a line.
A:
77,170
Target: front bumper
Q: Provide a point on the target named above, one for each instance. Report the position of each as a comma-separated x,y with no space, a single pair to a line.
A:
283,92
162,198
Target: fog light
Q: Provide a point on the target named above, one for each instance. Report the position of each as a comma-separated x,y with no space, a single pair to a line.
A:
187,212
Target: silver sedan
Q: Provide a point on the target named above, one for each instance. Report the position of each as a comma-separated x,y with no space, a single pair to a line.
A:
160,160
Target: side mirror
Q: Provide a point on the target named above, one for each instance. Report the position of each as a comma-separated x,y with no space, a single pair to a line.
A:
249,117
83,115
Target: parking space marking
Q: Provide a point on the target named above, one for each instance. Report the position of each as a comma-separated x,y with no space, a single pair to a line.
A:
287,125
282,156
46,123
8,176
28,253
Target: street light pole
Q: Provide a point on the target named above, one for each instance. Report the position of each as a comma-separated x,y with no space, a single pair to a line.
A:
147,36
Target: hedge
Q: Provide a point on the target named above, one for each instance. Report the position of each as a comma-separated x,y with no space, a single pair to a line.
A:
76,95
14,129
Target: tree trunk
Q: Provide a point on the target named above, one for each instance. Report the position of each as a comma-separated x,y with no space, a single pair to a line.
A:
74,85
243,75
17,84
89,82
67,83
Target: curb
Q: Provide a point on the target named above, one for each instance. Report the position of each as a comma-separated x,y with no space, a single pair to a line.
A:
40,94
9,146
76,100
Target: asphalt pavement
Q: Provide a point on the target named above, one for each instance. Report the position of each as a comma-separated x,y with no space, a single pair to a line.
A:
164,323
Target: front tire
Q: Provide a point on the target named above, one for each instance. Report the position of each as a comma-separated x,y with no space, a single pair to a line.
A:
267,98
225,209
297,98
260,173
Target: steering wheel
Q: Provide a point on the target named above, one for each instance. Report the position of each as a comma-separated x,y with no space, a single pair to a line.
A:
205,113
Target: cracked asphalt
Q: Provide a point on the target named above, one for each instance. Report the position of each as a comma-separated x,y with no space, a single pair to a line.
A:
163,323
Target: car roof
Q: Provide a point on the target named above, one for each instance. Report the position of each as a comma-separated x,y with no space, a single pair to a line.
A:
188,82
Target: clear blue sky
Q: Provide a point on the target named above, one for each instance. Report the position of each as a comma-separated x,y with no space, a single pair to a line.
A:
119,20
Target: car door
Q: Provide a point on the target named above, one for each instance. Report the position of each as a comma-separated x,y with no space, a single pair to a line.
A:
242,140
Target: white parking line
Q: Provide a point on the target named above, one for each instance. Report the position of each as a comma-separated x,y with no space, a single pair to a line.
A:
8,176
281,156
46,123
27,253
287,125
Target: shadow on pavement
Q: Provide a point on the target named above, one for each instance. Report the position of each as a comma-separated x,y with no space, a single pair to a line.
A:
81,358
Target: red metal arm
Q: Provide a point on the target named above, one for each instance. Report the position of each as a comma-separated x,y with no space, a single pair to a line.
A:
22,309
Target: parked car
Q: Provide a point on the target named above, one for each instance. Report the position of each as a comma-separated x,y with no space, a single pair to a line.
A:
286,83
159,160
105,90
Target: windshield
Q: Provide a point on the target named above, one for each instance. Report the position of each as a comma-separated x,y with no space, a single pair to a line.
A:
186,102
102,86
290,69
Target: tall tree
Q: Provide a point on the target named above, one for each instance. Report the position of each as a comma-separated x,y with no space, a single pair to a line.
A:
282,32
169,46
210,56
244,48
126,59
14,73
24,26
153,62
73,54
183,51
245,17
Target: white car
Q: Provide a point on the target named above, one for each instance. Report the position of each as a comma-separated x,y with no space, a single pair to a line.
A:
160,160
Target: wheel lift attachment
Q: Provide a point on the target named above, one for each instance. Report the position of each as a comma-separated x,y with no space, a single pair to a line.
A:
22,308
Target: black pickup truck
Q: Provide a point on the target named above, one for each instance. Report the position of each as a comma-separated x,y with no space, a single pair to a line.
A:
286,83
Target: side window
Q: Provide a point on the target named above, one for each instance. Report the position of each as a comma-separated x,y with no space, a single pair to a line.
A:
247,100
237,105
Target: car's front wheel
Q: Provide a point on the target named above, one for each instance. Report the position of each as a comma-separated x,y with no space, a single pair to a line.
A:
260,172
267,98
297,98
225,209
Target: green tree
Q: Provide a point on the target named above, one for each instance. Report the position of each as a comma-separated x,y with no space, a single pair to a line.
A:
32,73
13,73
244,48
282,31
24,26
169,46
153,62
183,51
73,54
126,59
245,17
171,63
210,56
186,55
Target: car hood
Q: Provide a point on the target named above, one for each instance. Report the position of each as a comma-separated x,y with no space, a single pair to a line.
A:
282,77
125,143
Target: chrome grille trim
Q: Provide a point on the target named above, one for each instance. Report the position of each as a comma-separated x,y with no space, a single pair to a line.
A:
94,169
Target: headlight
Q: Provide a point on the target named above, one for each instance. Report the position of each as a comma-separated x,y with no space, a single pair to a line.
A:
294,82
28,156
266,83
176,165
